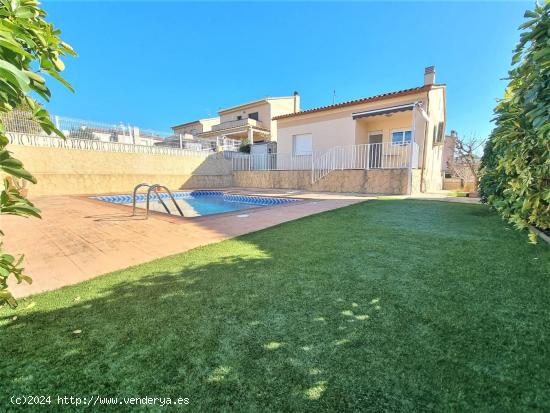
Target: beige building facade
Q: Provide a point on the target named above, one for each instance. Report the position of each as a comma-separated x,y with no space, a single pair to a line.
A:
391,122
196,127
249,122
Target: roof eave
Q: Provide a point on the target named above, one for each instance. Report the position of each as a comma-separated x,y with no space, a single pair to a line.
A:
377,98
254,102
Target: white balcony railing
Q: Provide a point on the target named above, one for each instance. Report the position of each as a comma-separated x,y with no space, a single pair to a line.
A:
368,156
227,144
230,124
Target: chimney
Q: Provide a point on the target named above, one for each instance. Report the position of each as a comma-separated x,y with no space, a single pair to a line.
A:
296,101
429,75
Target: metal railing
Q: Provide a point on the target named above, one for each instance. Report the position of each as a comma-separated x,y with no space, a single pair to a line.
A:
21,122
271,162
237,123
227,144
28,139
368,156
154,188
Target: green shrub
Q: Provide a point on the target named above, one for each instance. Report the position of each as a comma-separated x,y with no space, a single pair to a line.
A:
30,48
244,148
516,162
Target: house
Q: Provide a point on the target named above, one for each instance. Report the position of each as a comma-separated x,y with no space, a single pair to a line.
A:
249,122
459,169
196,127
399,130
448,158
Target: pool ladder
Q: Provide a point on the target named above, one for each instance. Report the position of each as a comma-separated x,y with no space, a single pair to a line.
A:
154,188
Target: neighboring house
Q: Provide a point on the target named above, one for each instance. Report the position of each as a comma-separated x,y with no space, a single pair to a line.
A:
392,122
185,135
458,173
449,147
196,127
249,122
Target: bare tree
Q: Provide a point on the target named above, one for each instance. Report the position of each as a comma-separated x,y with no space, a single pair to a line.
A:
466,161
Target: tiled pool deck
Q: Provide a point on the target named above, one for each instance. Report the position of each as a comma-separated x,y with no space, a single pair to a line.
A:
79,238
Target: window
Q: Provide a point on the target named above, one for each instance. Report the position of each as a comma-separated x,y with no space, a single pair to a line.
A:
401,137
302,144
440,130
239,117
253,115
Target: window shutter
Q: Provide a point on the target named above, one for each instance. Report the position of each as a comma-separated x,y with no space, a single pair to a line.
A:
303,144
440,131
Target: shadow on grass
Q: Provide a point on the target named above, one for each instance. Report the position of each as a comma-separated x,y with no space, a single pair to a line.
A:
219,333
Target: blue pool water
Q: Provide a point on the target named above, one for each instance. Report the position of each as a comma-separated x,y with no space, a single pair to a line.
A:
198,203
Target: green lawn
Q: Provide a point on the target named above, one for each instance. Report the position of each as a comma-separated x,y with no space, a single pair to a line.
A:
382,306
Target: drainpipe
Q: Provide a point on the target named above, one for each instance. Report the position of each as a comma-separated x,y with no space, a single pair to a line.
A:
413,140
422,184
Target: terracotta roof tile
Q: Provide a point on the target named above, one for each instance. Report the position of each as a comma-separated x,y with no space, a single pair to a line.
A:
383,96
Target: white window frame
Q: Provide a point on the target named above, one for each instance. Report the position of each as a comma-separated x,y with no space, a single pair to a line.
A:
294,144
403,141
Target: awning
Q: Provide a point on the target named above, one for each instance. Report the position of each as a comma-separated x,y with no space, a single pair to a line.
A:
385,111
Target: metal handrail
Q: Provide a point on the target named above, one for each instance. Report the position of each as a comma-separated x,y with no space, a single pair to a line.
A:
134,196
158,186
155,188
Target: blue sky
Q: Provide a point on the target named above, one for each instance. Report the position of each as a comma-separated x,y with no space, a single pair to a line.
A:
156,64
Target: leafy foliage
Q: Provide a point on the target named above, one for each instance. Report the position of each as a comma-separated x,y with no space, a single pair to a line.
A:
244,148
516,162
30,47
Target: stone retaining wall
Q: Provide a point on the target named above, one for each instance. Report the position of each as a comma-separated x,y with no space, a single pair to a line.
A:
72,172
380,181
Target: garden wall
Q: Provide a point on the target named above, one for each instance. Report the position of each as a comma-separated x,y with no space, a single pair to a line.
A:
380,181
70,172
457,184
62,171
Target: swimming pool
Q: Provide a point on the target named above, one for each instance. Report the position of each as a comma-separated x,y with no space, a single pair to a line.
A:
197,203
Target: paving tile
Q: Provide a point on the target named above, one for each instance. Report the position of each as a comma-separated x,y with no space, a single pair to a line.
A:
78,238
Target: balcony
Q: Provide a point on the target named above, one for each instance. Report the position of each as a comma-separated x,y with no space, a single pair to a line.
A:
231,124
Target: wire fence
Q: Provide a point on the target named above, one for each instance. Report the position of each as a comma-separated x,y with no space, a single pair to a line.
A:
94,135
30,139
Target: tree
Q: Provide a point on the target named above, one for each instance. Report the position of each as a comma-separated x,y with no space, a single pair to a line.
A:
30,47
466,164
516,163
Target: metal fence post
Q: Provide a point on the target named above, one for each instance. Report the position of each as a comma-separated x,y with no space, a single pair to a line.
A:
131,133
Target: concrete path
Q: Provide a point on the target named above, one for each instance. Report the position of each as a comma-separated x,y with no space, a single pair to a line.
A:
79,238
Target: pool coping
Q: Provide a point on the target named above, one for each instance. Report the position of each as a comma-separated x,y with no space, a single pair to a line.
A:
199,218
